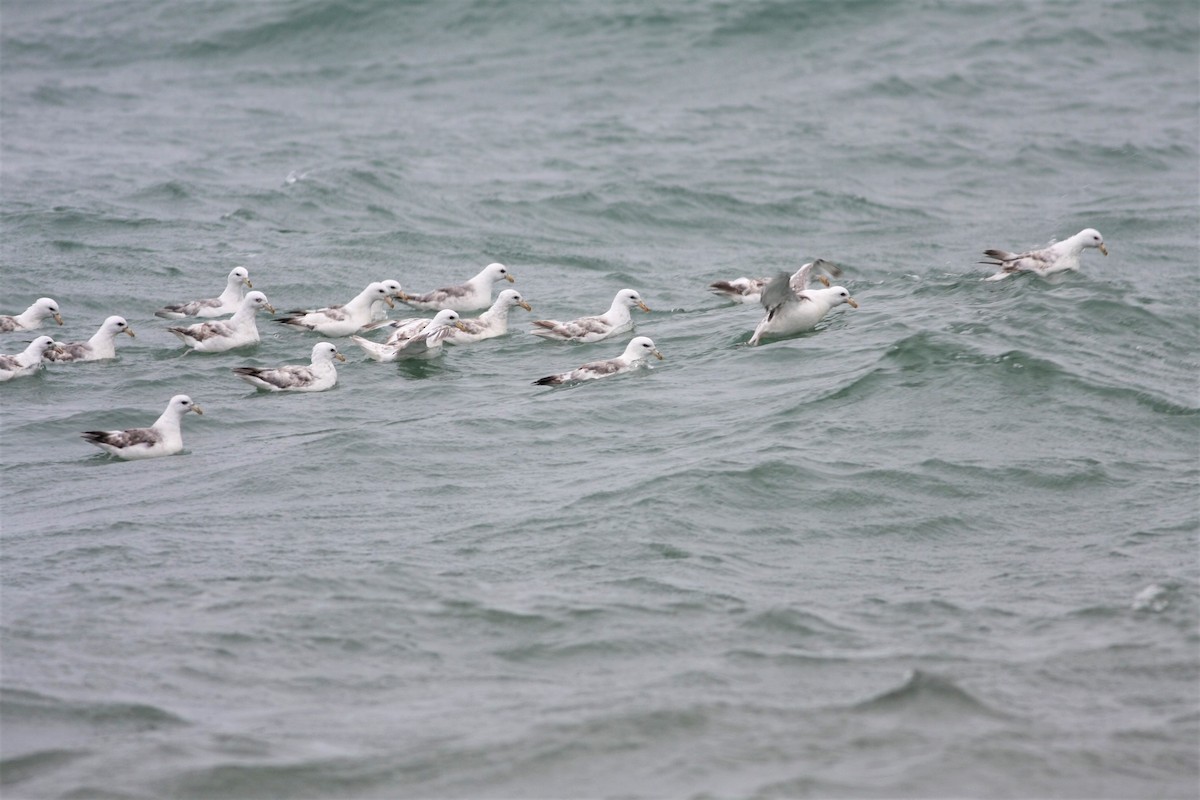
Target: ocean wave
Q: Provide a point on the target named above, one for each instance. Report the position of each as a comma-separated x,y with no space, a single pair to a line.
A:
924,693
23,707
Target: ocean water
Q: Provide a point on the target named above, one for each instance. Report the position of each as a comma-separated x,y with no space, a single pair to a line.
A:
945,545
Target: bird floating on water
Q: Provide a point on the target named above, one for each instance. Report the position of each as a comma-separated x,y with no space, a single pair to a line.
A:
227,303
615,321
470,296
749,290
163,438
1058,257
220,335
31,318
636,352
318,376
790,311
102,345
29,360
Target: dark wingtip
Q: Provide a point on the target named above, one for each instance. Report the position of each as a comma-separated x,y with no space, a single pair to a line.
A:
829,267
549,380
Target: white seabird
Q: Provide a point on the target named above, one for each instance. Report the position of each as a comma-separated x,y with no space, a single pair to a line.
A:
102,345
789,311
636,352
227,303
593,329
220,335
163,438
1058,257
318,376
31,318
470,296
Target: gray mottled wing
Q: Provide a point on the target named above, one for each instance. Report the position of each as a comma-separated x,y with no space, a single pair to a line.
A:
335,313
297,316
289,377
413,346
738,287
800,277
189,309
439,335
424,342
8,324
406,329
300,312
10,363
1014,262
576,328
447,292
799,280
71,351
585,325
129,438
394,324
777,292
205,330
441,295
598,369
474,327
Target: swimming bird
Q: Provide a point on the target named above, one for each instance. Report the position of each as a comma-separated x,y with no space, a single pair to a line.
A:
31,318
220,335
789,311
227,303
1058,257
418,340
592,329
470,296
636,352
27,361
491,323
341,320
749,290
163,438
318,376
102,344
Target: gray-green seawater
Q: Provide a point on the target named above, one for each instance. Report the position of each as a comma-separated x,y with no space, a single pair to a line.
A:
945,545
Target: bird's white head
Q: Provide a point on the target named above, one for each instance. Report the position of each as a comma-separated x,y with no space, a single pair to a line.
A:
50,308
326,351
115,325
182,404
838,295
631,298
498,272
640,347
43,343
257,300
379,292
446,318
239,276
1090,237
511,297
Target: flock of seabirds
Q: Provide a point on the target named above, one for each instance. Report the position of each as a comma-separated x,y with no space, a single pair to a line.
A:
789,304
